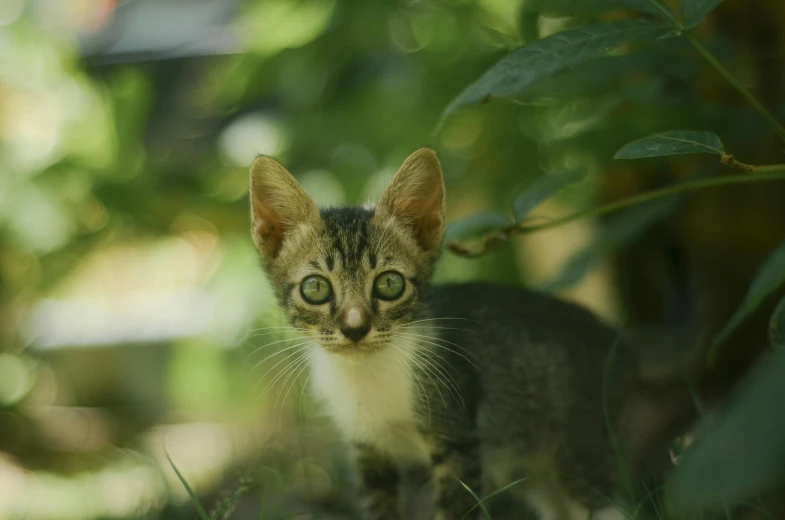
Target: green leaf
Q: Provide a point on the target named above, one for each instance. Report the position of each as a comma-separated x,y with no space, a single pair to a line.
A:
583,79
766,281
550,55
542,189
742,453
674,142
617,233
562,8
475,225
777,325
199,509
694,11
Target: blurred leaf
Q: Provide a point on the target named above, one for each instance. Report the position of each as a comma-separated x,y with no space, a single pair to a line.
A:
542,189
580,80
561,8
552,54
614,235
694,11
663,59
766,281
475,225
777,325
743,451
568,118
274,25
199,509
674,142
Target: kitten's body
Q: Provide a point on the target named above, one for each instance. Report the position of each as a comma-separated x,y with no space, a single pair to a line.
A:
538,415
482,384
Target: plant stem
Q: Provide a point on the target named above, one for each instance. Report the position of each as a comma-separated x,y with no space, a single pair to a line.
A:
773,123
770,168
733,164
494,239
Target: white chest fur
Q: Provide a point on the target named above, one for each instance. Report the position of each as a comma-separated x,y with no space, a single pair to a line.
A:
371,399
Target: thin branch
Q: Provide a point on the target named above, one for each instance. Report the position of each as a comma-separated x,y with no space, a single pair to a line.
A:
773,123
733,164
494,239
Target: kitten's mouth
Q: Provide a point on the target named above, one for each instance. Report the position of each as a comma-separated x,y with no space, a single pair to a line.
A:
336,342
348,347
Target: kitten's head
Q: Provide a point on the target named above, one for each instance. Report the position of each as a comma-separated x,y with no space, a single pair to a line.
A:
350,275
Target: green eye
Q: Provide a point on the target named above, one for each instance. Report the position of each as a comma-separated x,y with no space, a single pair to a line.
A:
388,286
316,289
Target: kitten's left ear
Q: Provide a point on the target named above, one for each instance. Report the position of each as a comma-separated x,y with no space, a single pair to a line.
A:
415,197
278,205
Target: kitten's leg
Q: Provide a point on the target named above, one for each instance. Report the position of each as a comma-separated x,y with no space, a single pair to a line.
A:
379,483
453,463
417,490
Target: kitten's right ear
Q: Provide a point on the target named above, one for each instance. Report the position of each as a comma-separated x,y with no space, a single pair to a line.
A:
415,197
278,205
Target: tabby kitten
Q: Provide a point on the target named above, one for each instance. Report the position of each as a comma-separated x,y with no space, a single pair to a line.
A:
484,384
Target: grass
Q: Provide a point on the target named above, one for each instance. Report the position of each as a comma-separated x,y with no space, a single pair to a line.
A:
198,505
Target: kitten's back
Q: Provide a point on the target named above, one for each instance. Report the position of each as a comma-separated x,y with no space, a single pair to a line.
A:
540,389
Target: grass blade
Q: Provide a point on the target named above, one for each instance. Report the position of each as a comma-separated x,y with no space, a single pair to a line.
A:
199,509
479,502
491,495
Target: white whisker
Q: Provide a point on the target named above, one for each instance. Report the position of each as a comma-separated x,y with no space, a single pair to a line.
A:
415,327
425,320
302,346
418,363
300,338
421,390
260,363
275,327
450,382
431,340
285,371
296,372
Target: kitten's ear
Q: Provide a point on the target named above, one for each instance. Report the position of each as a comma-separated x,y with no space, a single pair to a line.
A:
278,205
415,197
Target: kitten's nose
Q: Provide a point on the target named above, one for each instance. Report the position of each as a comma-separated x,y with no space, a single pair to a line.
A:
355,333
355,326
